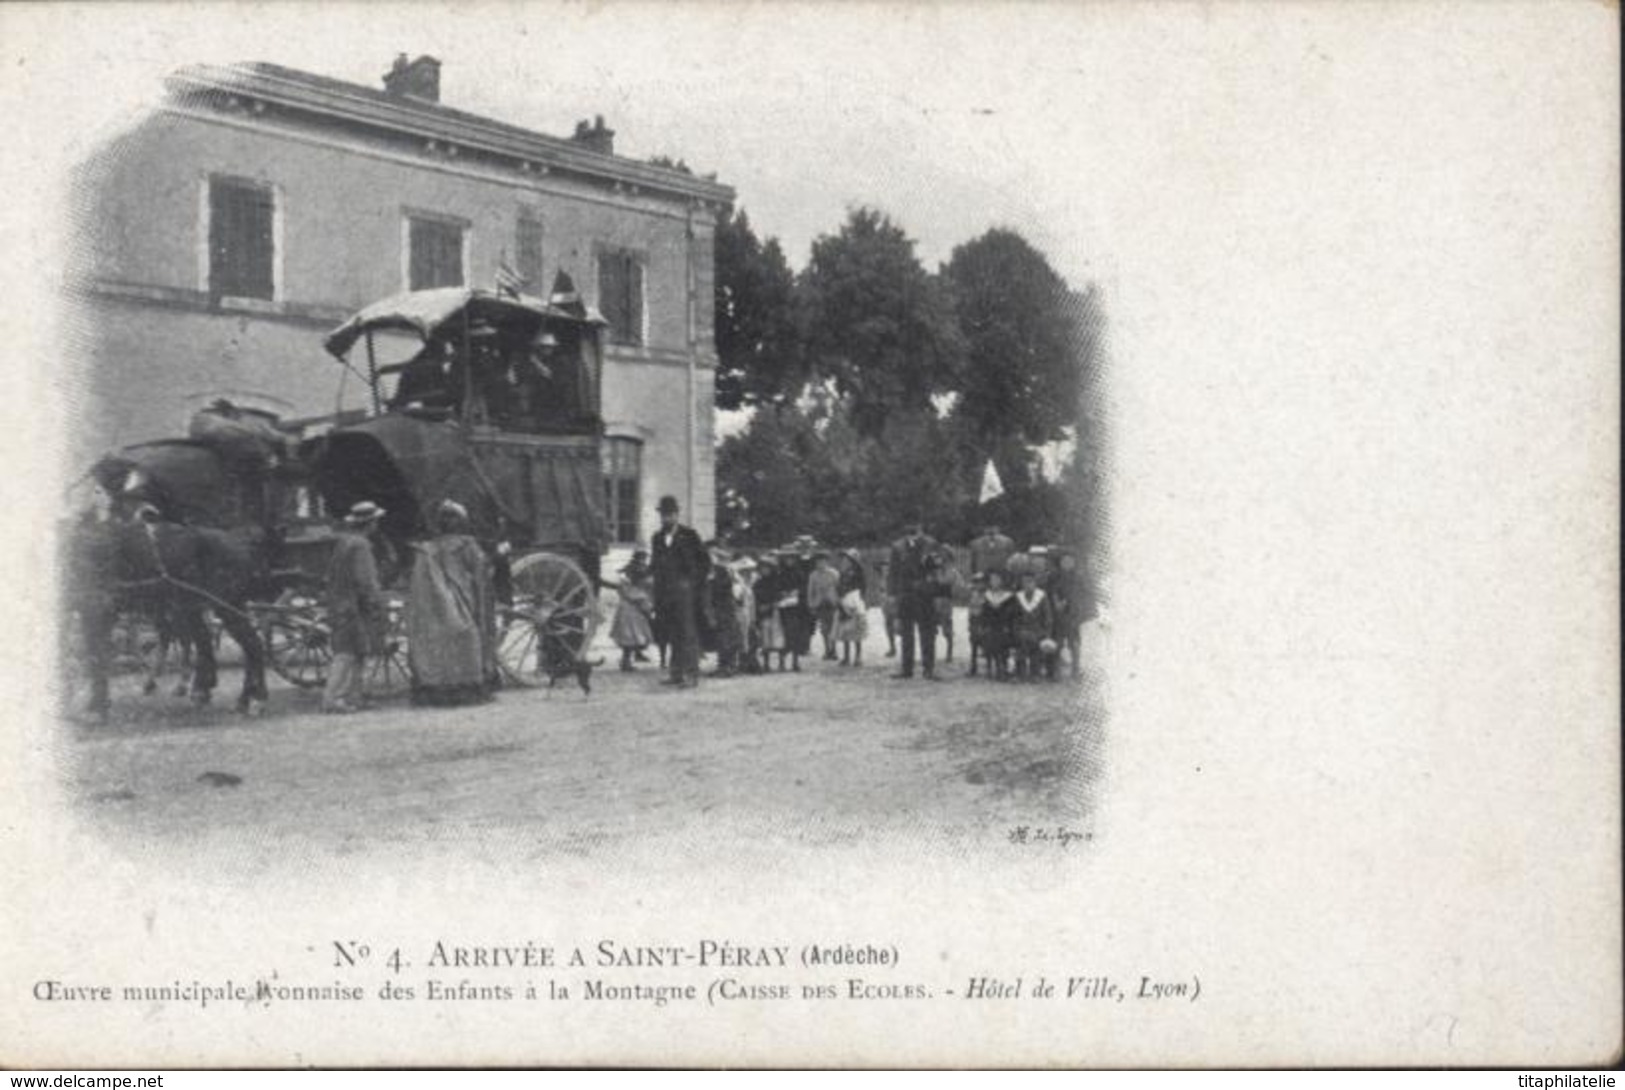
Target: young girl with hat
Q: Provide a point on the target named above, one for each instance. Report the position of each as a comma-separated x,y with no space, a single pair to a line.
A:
852,621
632,628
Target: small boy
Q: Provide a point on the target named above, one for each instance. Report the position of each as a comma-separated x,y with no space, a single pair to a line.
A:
1034,618
997,616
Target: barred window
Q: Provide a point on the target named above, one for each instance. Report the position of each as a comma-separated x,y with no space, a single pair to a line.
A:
620,295
623,469
434,253
242,254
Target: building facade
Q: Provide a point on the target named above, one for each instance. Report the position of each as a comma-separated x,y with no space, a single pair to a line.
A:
221,238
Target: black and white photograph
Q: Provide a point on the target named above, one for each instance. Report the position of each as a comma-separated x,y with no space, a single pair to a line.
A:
407,409
1036,535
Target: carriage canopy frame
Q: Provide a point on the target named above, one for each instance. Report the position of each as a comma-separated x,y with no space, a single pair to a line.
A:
445,312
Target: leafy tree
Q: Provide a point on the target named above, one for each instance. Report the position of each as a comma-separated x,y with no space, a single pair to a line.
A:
758,350
779,468
813,472
1022,374
910,470
875,323
852,434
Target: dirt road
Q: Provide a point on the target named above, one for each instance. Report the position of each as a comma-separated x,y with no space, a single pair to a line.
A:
831,755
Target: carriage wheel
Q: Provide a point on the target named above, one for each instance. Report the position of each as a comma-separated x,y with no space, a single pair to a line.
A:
298,641
390,672
552,618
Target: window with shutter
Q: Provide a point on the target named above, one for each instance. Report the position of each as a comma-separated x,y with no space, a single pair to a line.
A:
620,295
528,253
242,255
435,259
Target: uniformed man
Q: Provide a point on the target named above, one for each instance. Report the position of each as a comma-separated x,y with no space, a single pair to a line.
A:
912,577
990,551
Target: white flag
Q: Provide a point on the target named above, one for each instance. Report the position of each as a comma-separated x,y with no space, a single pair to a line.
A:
992,487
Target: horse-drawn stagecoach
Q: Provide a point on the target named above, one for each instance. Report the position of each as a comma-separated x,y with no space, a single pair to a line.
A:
490,400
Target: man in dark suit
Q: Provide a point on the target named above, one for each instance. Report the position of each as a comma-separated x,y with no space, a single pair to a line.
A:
679,563
912,578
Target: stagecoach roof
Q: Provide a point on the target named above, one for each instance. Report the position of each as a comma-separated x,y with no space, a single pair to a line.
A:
444,310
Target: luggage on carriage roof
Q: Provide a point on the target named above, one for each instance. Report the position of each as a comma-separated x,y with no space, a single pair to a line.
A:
247,439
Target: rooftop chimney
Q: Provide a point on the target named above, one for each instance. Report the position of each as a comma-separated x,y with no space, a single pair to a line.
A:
414,79
595,137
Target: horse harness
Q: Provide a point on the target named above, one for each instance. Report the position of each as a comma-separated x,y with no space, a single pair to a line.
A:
164,578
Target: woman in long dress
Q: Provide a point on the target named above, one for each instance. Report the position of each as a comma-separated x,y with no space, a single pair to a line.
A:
722,614
451,615
795,615
768,590
750,658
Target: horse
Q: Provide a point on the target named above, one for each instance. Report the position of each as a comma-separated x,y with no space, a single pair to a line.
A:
168,647
174,574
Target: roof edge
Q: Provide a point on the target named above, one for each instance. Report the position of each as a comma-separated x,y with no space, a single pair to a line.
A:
442,123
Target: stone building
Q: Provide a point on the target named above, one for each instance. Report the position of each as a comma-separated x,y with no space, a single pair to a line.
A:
219,239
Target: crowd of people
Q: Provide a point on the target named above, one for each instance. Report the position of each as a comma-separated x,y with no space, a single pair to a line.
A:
756,612
766,611
751,613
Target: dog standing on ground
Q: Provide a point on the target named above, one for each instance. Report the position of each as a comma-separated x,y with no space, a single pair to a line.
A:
558,662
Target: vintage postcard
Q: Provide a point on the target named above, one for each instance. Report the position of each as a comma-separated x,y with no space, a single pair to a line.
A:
925,535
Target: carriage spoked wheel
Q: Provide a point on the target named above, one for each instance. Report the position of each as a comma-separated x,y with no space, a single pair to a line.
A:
551,620
390,672
298,640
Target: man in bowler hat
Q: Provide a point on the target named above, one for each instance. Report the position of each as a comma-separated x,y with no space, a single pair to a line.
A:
680,564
